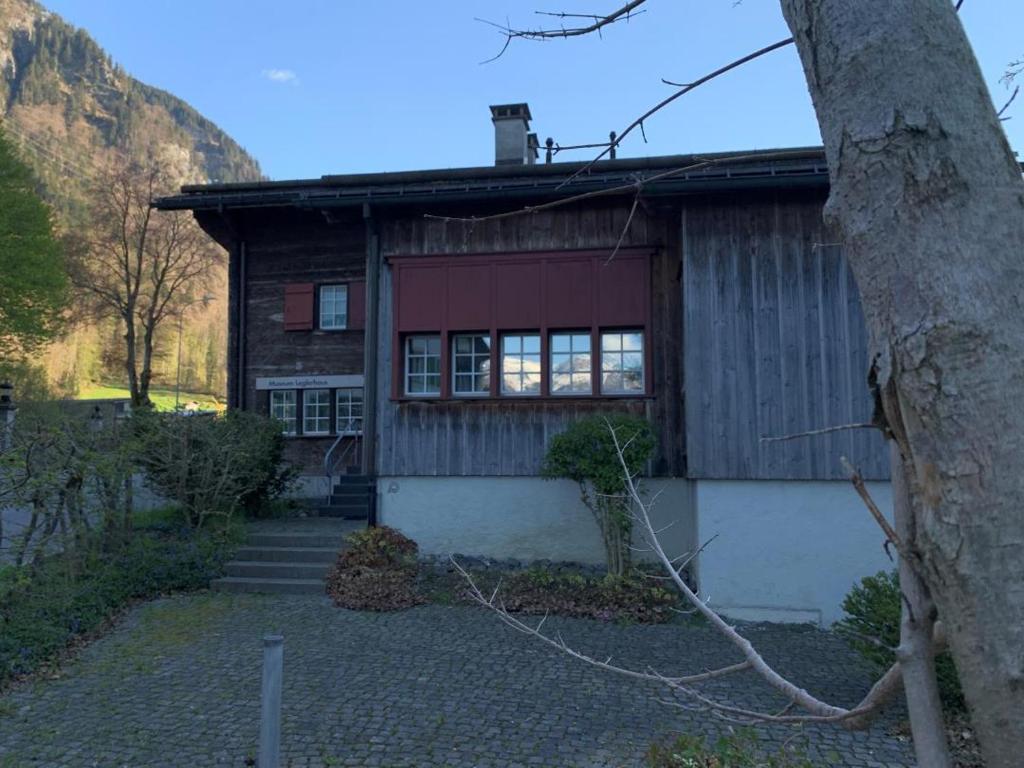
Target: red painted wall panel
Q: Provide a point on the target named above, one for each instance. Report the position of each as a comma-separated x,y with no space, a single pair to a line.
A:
469,297
568,293
622,292
422,298
298,306
517,295
357,304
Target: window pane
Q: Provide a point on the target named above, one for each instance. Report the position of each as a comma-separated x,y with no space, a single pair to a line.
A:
632,341
433,384
560,342
415,384
581,342
633,361
512,344
531,382
463,344
433,364
463,364
482,345
611,382
417,345
633,381
611,342
561,363
560,382
531,344
581,362
433,345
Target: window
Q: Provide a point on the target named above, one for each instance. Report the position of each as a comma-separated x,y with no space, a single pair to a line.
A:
349,411
316,412
333,307
520,364
622,362
423,365
471,364
282,408
570,364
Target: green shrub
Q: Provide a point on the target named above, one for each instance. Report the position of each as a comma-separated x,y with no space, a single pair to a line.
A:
873,611
586,453
45,606
212,465
738,750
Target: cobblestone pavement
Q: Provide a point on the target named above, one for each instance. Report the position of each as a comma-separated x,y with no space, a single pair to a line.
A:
177,684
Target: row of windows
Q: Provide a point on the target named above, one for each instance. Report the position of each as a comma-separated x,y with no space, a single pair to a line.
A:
316,410
570,369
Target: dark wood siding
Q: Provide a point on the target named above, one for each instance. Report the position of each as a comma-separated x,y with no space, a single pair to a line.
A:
509,437
285,247
775,344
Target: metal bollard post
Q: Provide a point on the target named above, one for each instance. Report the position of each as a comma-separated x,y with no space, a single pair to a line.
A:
270,702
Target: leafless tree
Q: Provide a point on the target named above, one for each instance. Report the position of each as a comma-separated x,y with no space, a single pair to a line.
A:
929,201
137,264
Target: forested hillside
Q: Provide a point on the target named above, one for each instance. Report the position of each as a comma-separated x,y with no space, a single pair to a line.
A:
69,110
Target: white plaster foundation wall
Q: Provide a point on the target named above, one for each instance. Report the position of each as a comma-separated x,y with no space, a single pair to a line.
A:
524,518
787,550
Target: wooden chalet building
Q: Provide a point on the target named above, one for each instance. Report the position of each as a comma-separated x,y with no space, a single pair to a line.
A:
431,348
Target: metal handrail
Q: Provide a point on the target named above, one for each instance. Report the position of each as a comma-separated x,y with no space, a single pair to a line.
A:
329,466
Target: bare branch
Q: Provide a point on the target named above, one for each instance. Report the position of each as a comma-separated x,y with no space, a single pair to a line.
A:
638,123
825,431
598,22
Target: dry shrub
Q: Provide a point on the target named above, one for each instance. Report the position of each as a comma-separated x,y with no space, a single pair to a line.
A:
377,572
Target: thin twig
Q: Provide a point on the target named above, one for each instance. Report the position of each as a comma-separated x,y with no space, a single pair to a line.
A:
825,431
638,123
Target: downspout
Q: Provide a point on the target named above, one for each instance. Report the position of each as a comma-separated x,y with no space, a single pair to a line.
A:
370,347
240,377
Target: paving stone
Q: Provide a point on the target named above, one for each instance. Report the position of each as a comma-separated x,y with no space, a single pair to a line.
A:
177,683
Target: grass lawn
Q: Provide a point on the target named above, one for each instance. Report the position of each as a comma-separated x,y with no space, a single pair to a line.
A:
163,399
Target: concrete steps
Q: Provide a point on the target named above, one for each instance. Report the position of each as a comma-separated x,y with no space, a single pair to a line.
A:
287,557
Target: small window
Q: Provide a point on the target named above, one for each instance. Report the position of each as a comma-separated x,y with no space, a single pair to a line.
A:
349,411
333,307
282,408
622,363
570,364
520,364
471,364
423,365
316,412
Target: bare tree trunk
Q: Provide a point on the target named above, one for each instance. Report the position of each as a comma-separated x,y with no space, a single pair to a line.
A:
930,204
130,349
916,653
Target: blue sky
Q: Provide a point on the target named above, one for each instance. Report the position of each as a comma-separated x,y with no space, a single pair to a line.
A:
335,86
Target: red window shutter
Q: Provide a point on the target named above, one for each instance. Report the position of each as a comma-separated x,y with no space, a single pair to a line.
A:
357,304
298,307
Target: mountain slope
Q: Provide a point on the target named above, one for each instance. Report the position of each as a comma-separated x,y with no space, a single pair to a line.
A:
69,107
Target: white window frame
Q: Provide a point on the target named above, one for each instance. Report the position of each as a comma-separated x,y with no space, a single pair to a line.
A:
333,320
617,357
473,356
290,422
572,353
317,418
520,356
408,374
343,403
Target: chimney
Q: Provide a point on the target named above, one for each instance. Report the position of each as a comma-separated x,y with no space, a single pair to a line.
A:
512,137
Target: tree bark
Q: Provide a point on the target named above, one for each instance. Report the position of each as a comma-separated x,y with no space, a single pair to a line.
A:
916,652
930,204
